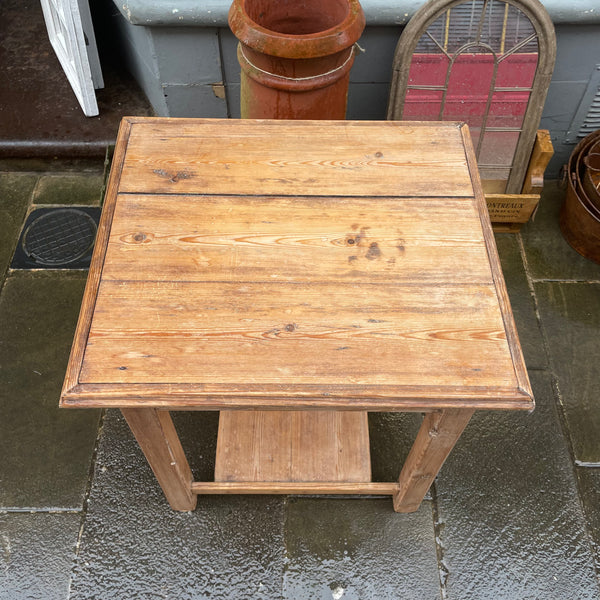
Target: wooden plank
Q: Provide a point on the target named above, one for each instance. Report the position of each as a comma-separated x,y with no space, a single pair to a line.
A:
294,239
188,332
511,208
436,438
318,396
156,435
298,362
215,219
295,158
302,487
319,310
285,446
494,262
95,271
543,151
506,227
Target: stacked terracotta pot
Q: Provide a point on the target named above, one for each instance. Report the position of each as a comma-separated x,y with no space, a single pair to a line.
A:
295,56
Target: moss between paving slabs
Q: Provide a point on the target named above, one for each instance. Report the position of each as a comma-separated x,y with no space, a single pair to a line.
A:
522,302
570,315
61,189
548,254
15,194
46,451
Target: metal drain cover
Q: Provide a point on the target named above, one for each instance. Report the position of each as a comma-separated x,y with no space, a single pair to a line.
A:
57,238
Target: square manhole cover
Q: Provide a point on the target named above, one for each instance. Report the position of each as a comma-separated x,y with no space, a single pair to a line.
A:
57,238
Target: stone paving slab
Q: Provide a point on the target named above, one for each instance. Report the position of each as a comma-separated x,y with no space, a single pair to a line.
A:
512,522
198,434
548,254
391,437
357,549
36,554
15,195
522,301
589,487
135,546
570,315
64,189
45,451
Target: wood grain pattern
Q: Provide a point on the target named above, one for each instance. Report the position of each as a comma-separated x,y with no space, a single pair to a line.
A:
293,446
450,357
222,301
435,440
512,336
295,158
269,333
278,396
156,435
295,239
294,487
95,272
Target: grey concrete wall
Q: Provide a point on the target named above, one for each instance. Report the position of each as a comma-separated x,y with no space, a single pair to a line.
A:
179,68
577,59
213,13
191,69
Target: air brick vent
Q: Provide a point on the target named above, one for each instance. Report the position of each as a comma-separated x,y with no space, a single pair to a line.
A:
592,119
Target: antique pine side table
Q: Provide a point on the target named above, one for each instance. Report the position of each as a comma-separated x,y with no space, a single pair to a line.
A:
295,275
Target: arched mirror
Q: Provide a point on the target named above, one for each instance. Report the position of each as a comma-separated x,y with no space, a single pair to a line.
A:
487,63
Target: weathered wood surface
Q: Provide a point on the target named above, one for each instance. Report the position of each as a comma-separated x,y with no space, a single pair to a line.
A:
266,333
511,208
437,436
347,158
543,151
95,272
211,301
295,487
296,240
156,435
510,328
290,446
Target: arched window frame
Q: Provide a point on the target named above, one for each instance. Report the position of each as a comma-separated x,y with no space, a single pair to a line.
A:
544,30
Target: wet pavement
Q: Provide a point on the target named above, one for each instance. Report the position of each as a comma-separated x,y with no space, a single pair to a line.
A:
39,114
514,513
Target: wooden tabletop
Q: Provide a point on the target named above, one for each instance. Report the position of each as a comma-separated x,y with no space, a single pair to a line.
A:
273,264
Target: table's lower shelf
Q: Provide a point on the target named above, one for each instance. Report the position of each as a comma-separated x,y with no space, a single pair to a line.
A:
294,452
282,447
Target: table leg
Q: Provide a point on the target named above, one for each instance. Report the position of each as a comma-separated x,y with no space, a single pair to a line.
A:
436,438
156,435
